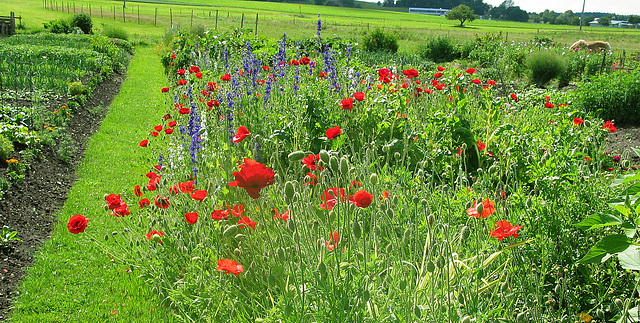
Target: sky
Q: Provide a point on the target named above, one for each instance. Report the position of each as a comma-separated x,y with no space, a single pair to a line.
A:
622,7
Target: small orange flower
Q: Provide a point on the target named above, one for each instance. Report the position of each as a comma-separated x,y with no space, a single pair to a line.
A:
12,161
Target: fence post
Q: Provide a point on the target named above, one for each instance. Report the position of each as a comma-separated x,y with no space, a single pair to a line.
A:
100,11
604,56
124,15
192,18
242,21
138,15
89,10
256,24
114,12
171,18
216,19
155,18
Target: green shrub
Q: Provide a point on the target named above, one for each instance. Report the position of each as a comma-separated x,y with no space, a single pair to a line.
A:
440,49
115,32
82,21
614,96
77,88
59,26
544,67
380,41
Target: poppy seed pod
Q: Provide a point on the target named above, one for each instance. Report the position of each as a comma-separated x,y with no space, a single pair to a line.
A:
430,266
239,236
357,230
324,156
460,298
431,218
333,163
230,231
344,166
480,207
291,225
373,178
288,190
322,269
296,155
366,295
465,319
465,232
281,254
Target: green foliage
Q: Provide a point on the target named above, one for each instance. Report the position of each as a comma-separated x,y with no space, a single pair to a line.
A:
59,26
77,88
7,236
544,67
6,147
461,13
439,49
112,31
380,41
614,96
82,21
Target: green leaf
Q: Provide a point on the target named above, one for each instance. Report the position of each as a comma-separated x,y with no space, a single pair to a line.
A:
632,190
606,248
629,229
630,258
599,220
636,150
621,179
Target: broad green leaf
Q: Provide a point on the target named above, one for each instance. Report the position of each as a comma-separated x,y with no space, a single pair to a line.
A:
500,130
636,150
621,179
629,229
632,190
599,220
606,248
632,316
630,258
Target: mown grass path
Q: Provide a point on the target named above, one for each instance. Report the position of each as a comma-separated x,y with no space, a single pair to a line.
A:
72,279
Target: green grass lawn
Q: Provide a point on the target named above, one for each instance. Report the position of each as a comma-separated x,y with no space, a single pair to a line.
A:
72,279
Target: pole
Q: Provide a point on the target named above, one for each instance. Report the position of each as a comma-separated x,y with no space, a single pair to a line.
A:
124,15
582,14
171,17
101,12
138,15
192,18
216,19
242,21
256,24
114,13
155,18
89,10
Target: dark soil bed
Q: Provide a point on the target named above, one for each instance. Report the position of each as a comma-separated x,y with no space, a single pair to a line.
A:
30,207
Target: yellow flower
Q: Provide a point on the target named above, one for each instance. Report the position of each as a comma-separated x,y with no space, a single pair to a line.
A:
584,317
12,161
63,107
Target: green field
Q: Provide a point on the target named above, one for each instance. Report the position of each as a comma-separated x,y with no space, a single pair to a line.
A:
299,21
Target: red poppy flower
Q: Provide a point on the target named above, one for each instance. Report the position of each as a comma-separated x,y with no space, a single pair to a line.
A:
331,196
213,103
333,133
191,217
385,195
181,71
410,73
144,143
312,179
144,202
184,111
322,74
491,82
164,89
514,97
549,105
114,201
172,123
440,68
183,82
253,177
334,239
219,214
471,71
199,75
347,104
194,69
77,224
212,86
137,191
437,75
310,162
361,198
246,221
229,266
383,72
154,235
162,202
504,229
285,216
359,96
440,87
242,133
173,56
480,145
266,68
168,131
121,210
486,211
199,195
305,61
476,81
154,134
609,126
577,121
158,128
226,77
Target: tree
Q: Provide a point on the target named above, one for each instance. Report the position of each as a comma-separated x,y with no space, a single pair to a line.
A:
549,16
634,19
604,21
462,13
514,13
